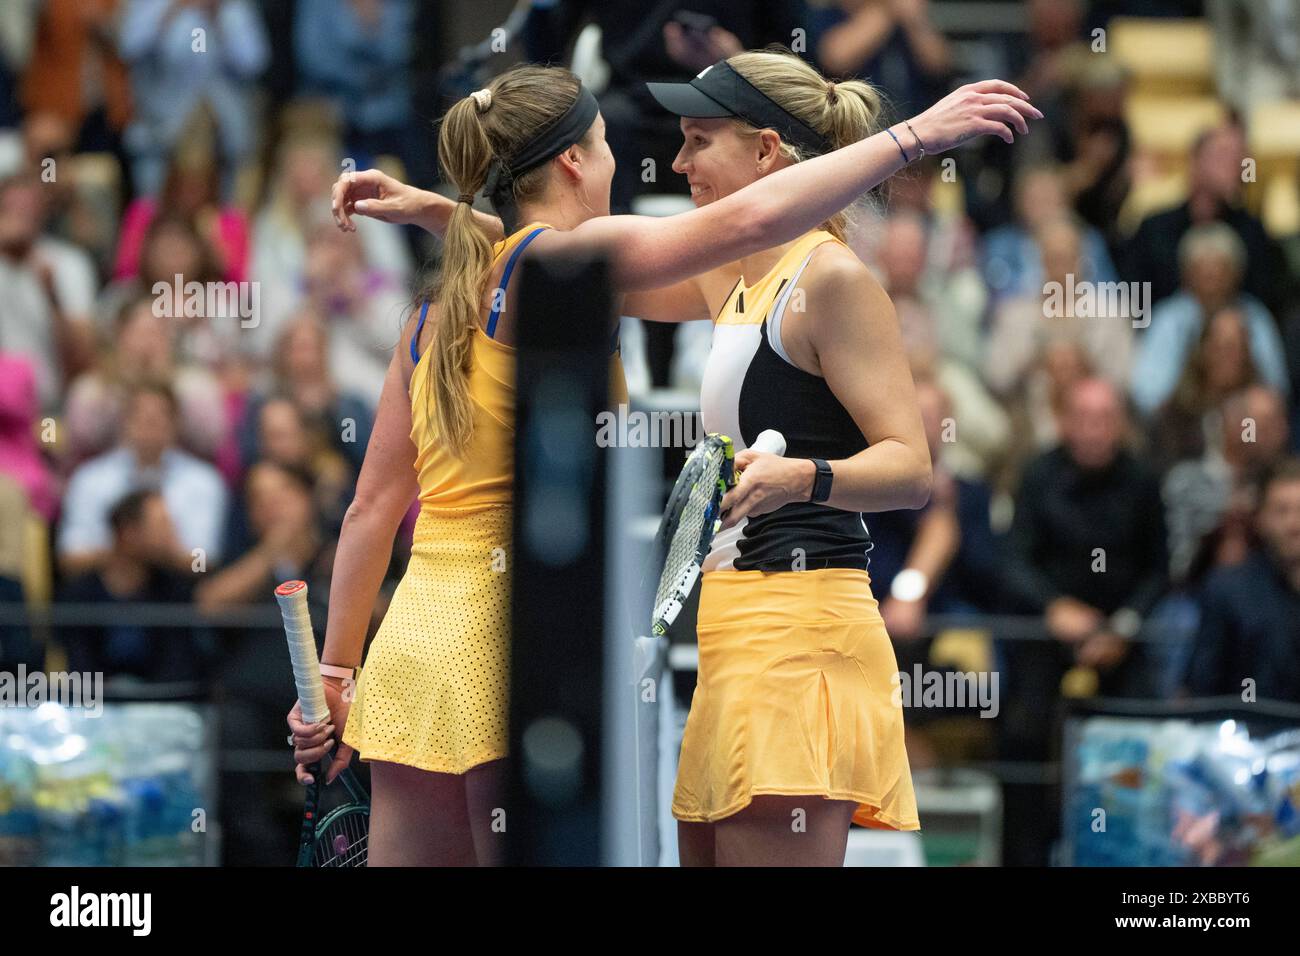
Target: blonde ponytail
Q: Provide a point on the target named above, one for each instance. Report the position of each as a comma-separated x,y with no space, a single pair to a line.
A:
465,154
843,112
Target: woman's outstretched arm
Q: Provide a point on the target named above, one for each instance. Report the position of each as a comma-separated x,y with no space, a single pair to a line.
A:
650,252
377,195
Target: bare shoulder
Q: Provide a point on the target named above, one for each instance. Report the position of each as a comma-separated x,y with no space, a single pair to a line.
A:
836,281
834,266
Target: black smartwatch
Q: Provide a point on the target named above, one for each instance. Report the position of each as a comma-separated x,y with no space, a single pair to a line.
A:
821,489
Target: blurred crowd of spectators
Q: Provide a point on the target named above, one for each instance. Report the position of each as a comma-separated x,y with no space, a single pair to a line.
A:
1107,465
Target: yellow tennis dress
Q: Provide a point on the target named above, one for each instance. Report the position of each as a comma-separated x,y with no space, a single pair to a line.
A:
797,675
433,691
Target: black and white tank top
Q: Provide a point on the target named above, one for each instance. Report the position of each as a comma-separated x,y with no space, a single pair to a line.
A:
750,384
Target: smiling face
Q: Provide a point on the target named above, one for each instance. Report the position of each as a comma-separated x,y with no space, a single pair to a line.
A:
717,160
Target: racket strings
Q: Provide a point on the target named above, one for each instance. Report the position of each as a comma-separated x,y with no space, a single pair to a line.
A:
694,516
343,841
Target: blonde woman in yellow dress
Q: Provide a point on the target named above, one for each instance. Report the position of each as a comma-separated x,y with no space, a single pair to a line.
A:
430,705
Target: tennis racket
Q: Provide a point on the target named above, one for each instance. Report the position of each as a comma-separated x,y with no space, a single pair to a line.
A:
691,519
339,838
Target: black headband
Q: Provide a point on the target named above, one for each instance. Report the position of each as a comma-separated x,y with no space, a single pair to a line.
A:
721,91
546,145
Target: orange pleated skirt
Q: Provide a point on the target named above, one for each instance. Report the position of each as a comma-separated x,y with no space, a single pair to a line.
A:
796,695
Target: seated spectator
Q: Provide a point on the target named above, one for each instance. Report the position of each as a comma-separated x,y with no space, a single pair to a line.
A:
1044,65
1012,264
17,38
939,320
1248,645
20,455
305,170
1093,145
76,40
1040,344
301,373
283,436
1086,550
951,242
47,287
147,457
288,542
146,564
83,212
169,82
1208,501
1189,421
659,48
947,547
1256,51
287,438
1043,61
173,248
1215,195
1212,260
375,101
141,349
363,306
976,448
894,44
191,192
16,644
952,293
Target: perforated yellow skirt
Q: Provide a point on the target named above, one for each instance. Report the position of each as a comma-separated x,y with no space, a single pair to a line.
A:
795,696
432,692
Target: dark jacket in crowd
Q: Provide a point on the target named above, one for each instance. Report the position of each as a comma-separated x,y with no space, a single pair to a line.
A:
1250,629
123,648
1064,514
1152,255
632,32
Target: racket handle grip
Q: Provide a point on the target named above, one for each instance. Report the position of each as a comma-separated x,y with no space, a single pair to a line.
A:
292,598
770,441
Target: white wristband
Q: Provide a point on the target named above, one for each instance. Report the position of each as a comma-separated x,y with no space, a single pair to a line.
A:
909,585
333,670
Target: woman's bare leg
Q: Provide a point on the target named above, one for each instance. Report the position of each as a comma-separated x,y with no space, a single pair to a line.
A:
485,787
418,818
695,844
785,831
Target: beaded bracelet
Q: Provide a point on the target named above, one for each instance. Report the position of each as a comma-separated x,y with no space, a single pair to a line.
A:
920,145
898,144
